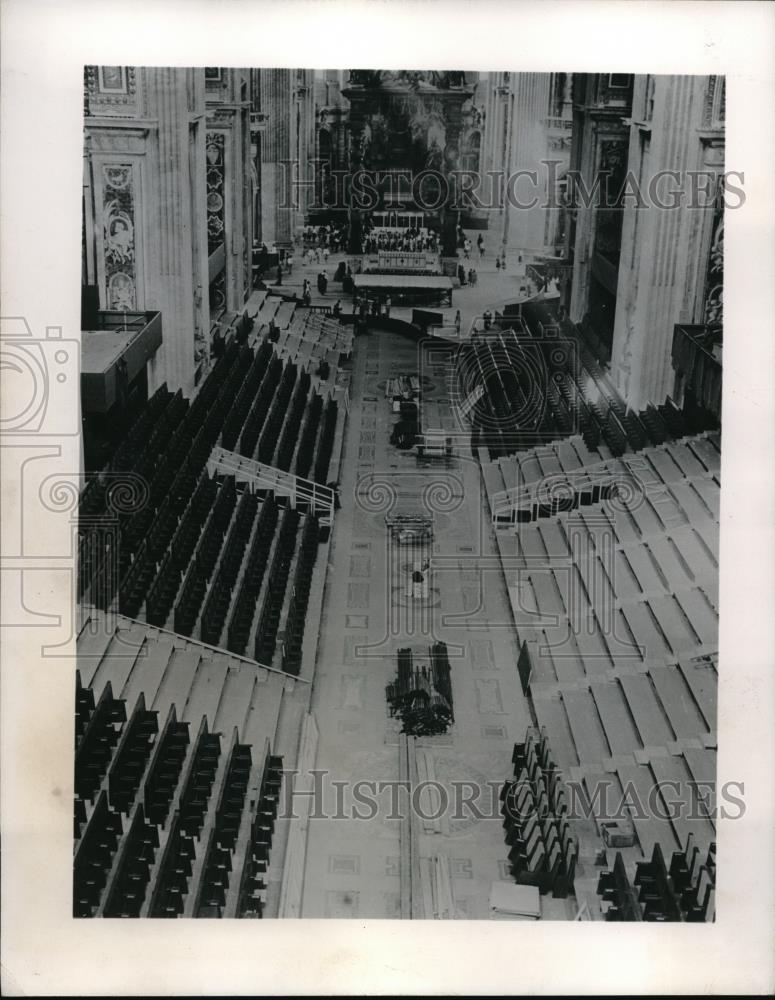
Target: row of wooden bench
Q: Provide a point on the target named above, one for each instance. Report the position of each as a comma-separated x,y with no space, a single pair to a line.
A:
164,825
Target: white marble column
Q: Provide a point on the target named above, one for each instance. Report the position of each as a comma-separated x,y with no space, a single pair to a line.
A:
276,148
659,273
524,228
170,285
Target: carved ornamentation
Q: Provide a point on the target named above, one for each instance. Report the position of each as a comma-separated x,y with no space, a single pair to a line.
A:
412,79
110,85
215,196
119,248
713,311
714,109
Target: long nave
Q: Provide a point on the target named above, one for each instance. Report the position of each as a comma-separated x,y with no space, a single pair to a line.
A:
399,534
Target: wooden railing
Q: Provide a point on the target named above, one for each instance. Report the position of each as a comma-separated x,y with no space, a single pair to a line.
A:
301,492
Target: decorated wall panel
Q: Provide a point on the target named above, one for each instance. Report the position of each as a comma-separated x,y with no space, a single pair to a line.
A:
119,236
713,312
111,90
216,203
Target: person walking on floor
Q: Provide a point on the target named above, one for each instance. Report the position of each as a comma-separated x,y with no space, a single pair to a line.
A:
388,304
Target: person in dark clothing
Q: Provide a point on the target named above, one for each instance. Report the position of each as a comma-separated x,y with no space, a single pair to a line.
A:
461,274
337,310
334,487
279,274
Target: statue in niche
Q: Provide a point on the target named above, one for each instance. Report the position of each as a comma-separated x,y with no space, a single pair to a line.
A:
435,158
379,139
446,80
365,77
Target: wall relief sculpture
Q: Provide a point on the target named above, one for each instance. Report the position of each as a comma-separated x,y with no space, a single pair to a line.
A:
119,235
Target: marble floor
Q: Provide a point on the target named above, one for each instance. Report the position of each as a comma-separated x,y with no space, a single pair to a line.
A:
353,865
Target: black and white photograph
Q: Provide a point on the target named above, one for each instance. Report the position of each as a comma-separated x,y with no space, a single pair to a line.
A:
401,403
396,511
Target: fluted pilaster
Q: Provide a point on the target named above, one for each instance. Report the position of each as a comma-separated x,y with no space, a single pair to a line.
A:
170,281
658,275
277,152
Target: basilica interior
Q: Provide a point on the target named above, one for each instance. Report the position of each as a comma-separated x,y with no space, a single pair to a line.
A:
399,539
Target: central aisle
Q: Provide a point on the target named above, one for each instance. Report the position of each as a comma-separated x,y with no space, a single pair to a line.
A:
353,865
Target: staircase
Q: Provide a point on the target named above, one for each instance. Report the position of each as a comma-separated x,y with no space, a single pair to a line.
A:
304,494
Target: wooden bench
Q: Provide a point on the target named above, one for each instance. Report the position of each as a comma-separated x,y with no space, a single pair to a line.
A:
703,683
551,714
666,468
672,623
706,453
638,782
617,722
670,564
176,685
149,669
681,801
119,660
568,456
677,701
206,691
647,636
703,619
649,718
685,459
588,736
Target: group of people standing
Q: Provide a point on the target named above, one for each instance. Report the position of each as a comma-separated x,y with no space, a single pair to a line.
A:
372,307
464,244
324,239
467,278
410,241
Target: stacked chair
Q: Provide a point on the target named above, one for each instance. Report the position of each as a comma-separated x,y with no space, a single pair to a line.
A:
421,697
542,851
684,892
